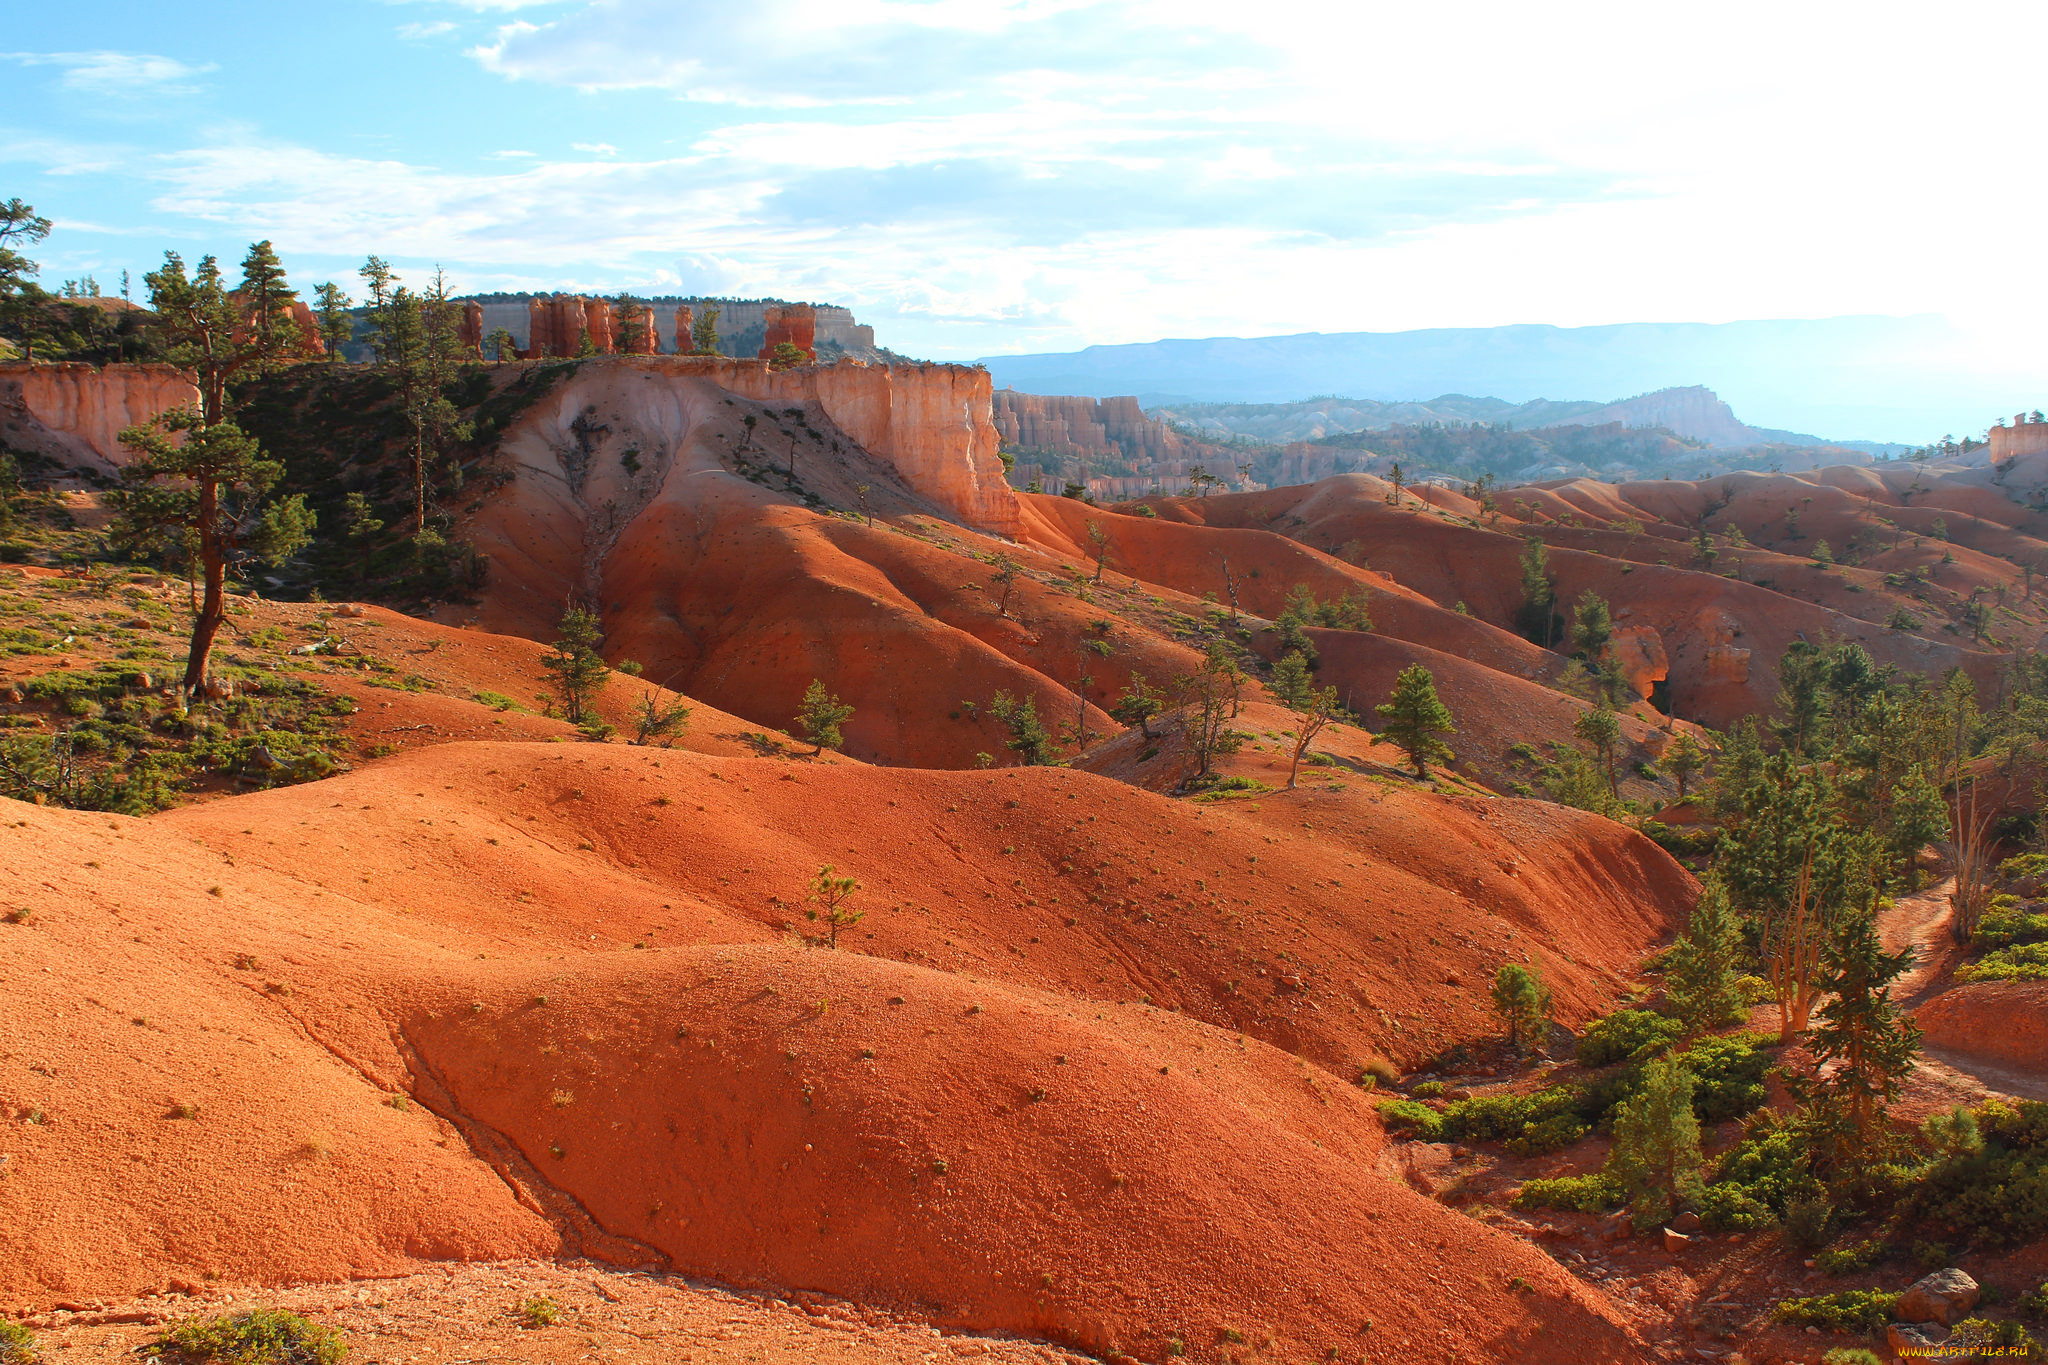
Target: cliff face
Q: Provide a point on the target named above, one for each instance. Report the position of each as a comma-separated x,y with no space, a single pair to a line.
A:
1083,428
931,422
74,413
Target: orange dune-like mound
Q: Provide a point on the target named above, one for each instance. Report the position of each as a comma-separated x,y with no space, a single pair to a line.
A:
513,939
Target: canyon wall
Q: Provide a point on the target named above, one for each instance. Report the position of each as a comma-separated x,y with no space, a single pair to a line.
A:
1083,428
2023,437
931,422
74,413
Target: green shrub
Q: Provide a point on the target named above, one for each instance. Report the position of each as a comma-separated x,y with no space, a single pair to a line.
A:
17,1344
1849,1355
2036,1303
1577,1193
260,1336
1419,1119
2020,962
1932,1255
1852,1310
1988,1340
1627,1035
1810,1219
1998,1194
1729,1075
1427,1090
2003,928
1733,1208
1852,1259
539,1311
1529,1125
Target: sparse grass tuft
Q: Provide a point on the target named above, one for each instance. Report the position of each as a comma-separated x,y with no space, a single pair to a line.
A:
17,1344
260,1336
539,1311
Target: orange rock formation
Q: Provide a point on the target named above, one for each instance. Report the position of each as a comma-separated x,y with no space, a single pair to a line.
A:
556,326
686,324
793,323
79,410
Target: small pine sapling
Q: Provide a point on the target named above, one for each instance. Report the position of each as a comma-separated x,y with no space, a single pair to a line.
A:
831,892
820,716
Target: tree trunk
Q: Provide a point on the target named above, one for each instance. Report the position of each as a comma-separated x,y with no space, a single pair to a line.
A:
213,609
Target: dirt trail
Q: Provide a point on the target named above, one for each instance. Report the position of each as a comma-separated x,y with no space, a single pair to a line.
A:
1945,1076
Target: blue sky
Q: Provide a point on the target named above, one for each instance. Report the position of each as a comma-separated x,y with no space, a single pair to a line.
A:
1025,175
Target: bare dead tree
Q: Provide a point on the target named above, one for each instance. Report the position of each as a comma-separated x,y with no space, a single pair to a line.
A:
1792,945
1968,850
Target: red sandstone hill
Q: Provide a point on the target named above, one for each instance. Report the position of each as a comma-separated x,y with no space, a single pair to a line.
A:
1721,637
571,966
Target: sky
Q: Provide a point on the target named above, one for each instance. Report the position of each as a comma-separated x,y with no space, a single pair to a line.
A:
982,177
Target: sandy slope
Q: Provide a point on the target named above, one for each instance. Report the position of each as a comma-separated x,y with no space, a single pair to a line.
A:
461,927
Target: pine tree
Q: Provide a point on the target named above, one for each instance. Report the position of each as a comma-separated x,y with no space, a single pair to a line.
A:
1656,1156
704,332
1523,1002
1916,815
19,293
199,482
1684,761
1802,699
1539,595
336,326
1600,728
360,522
377,276
1415,716
1028,737
1592,625
1313,713
832,891
1869,1043
1291,682
820,715
1138,705
577,667
267,300
1706,961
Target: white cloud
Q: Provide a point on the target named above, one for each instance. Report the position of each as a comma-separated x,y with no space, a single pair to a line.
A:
418,31
596,148
510,155
119,74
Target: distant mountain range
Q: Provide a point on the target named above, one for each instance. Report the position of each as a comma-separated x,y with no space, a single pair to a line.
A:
1894,378
1695,413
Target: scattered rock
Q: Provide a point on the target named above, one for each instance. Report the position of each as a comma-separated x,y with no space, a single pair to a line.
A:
1905,1338
1616,1229
349,609
1942,1297
1676,1241
1686,1222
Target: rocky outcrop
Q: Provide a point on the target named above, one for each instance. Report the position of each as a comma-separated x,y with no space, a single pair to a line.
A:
1946,1297
686,326
641,337
556,326
1640,652
2024,437
1083,428
470,335
74,413
793,324
932,422
1723,661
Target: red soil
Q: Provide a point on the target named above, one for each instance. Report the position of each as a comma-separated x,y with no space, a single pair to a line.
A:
1445,553
395,928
